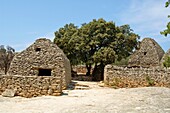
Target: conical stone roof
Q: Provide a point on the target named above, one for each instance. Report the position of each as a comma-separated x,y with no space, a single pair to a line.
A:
149,54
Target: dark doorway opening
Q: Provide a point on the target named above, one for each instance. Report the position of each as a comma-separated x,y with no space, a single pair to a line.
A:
44,72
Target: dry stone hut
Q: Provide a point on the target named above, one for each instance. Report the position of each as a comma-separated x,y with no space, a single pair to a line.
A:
167,54
43,58
149,54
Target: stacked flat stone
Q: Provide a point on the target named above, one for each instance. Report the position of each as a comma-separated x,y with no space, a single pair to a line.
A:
43,54
149,54
136,77
31,86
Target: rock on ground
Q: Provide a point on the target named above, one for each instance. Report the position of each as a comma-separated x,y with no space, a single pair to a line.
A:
8,93
94,100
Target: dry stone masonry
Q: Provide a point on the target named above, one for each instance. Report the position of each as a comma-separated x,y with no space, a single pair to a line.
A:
43,69
144,68
149,54
30,86
136,77
43,58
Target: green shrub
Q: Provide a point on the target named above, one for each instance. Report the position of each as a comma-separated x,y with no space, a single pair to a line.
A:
166,63
123,62
150,81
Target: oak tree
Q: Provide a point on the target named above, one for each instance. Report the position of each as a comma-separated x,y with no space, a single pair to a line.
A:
96,43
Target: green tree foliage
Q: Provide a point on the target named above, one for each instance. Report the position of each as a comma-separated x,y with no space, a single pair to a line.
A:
65,39
99,42
6,56
167,31
167,3
122,62
166,63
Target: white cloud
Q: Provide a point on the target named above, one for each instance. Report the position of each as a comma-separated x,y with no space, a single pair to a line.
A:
148,18
146,15
146,11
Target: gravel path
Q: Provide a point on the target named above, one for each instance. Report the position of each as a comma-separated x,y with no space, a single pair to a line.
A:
95,100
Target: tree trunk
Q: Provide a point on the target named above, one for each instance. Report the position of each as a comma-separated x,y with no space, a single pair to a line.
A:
6,68
73,73
102,71
88,67
94,73
98,72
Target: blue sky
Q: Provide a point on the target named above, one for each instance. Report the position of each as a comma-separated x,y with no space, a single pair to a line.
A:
24,21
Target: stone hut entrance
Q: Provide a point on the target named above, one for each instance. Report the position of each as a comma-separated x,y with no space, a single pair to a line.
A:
44,72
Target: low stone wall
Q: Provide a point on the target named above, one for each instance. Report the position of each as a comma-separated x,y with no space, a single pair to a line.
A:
136,77
31,86
81,69
66,73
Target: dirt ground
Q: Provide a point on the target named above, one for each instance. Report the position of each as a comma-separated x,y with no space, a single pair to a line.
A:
93,99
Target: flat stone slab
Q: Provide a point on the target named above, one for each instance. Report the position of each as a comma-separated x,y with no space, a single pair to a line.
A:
9,93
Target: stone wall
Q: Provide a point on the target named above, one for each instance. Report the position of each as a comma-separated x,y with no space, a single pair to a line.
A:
79,73
31,86
136,77
81,69
67,73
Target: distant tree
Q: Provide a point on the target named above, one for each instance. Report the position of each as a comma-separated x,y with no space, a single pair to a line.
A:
6,56
99,43
167,31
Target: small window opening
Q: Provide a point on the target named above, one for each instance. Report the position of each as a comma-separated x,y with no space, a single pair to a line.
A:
38,49
145,53
44,72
